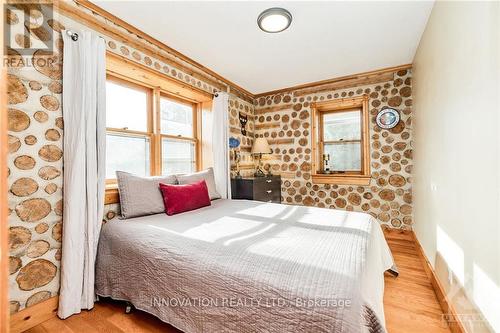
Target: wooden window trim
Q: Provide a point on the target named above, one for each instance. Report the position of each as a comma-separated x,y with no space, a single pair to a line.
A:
134,77
344,104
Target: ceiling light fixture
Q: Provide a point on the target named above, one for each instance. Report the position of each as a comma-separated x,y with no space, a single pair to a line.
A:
274,20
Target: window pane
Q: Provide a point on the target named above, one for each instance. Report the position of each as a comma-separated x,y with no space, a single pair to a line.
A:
177,156
344,156
130,154
176,118
342,126
126,107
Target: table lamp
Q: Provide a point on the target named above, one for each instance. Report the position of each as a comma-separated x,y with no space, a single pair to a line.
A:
260,146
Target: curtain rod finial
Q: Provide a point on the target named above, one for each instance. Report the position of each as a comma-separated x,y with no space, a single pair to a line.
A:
73,35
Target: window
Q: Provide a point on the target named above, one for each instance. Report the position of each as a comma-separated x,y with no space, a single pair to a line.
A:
129,133
126,106
178,148
127,153
145,137
341,141
178,156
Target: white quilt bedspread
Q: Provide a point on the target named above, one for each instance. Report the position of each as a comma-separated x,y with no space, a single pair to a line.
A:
246,266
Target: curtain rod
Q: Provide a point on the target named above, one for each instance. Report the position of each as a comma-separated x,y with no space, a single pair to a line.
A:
74,36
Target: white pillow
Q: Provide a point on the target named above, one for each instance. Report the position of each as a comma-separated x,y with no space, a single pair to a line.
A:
141,196
207,175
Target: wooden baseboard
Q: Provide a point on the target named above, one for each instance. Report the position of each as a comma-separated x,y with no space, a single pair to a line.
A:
34,315
449,310
391,233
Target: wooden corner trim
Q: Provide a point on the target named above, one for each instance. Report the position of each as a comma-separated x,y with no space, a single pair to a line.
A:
448,308
4,234
34,315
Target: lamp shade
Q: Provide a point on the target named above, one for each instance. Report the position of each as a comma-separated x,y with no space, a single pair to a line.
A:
261,146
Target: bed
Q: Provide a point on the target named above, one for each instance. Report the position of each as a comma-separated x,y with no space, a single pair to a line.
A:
248,266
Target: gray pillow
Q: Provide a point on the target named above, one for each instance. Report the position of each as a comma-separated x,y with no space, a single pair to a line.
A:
207,175
141,196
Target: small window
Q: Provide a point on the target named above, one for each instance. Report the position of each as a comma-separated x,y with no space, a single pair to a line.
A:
341,142
178,141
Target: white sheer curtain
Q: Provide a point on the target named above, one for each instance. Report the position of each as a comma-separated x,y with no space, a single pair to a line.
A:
84,113
220,144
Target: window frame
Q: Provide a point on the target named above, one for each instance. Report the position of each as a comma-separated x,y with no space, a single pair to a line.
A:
322,141
318,110
154,95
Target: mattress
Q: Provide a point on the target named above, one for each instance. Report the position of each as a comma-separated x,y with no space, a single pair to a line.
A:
248,266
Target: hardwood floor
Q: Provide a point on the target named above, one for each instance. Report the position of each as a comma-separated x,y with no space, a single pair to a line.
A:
410,304
409,301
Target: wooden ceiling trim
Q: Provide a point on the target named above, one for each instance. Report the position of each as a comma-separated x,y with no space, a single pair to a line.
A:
347,78
347,83
88,20
139,33
146,46
154,48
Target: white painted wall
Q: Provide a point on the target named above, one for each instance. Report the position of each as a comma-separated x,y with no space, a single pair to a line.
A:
457,151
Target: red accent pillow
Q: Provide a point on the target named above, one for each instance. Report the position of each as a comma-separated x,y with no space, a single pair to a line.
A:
183,198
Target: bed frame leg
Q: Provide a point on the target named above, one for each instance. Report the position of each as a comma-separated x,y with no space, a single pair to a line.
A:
128,307
394,271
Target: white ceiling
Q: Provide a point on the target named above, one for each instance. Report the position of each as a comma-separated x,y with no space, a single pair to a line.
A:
326,39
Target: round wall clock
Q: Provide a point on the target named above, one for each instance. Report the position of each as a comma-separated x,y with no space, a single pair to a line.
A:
387,118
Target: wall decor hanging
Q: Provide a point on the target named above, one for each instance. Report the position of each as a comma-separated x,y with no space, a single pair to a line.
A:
243,123
388,118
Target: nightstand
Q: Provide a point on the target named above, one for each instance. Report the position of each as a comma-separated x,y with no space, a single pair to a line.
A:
267,189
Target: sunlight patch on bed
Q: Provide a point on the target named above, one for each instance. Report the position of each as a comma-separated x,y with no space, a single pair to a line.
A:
293,245
265,210
250,235
221,228
333,218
